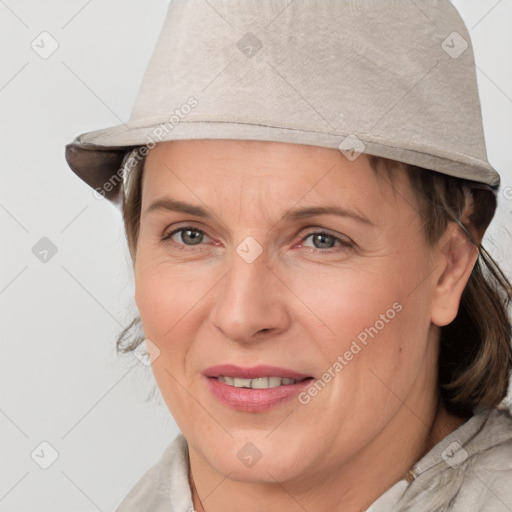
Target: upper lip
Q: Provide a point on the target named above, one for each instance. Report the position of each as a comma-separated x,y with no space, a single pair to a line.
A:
229,370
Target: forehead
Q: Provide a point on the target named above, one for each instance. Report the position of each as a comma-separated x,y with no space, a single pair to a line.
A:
270,174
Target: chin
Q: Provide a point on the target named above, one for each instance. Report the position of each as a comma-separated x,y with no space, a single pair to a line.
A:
259,461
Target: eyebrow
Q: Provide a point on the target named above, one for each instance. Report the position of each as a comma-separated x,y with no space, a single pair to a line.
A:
174,205
311,211
169,204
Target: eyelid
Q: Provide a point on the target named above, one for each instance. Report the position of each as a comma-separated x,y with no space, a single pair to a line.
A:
313,230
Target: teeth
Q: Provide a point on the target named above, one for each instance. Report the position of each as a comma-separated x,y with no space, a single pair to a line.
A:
275,382
241,383
258,383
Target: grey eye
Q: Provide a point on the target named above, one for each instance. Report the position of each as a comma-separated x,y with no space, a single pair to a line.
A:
191,236
323,240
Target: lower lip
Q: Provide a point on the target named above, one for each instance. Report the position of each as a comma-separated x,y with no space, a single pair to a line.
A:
254,400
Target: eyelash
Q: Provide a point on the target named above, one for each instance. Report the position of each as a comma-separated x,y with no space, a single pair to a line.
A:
343,244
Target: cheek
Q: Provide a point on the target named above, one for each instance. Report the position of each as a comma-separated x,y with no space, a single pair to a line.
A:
165,295
172,301
348,300
154,299
375,316
166,309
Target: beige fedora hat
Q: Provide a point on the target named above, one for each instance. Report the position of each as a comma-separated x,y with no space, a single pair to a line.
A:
392,78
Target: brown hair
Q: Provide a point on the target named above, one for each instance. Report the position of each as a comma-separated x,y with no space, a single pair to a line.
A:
475,357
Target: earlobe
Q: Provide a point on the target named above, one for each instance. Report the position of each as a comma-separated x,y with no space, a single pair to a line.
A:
456,257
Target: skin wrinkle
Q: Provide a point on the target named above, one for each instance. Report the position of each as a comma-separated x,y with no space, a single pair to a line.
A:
362,432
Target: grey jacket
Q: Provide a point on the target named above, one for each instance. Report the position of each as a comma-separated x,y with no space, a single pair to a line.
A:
470,470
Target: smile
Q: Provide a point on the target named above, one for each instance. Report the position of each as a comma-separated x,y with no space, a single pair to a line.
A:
254,389
257,383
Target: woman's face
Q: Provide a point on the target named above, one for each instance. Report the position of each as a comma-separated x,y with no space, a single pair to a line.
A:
288,296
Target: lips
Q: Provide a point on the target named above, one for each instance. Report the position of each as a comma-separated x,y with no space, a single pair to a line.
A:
254,389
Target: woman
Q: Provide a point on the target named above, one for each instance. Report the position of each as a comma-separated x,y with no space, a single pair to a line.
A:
304,192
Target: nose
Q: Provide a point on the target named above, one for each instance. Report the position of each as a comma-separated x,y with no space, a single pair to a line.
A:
250,302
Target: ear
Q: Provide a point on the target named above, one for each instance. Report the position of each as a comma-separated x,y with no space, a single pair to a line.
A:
455,259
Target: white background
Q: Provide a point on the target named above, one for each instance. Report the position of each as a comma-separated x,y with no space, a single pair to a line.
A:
61,380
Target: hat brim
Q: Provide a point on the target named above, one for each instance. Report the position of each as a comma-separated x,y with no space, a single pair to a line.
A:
97,157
